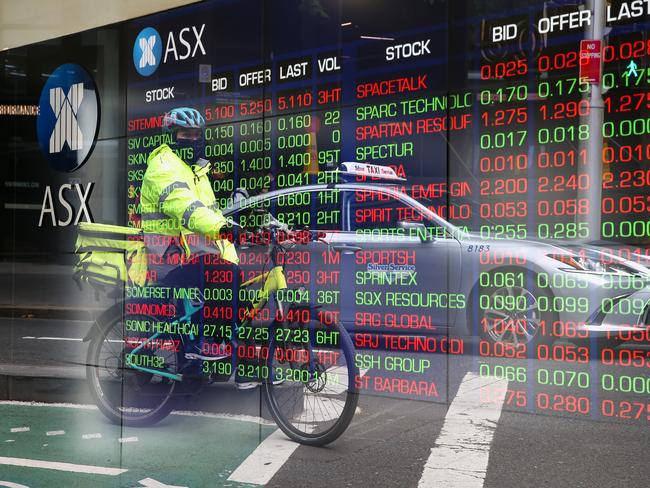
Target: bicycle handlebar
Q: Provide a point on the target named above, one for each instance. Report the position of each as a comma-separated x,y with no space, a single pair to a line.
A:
278,237
276,233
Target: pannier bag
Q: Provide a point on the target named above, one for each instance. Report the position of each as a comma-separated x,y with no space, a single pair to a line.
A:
110,255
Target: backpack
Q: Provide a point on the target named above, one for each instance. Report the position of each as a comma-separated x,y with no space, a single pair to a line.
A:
110,256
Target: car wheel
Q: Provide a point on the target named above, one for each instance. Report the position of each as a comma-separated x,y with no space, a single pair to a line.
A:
513,315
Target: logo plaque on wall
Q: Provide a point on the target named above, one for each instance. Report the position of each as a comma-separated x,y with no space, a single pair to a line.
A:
68,120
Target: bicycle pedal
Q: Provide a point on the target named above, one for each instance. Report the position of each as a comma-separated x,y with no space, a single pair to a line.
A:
191,355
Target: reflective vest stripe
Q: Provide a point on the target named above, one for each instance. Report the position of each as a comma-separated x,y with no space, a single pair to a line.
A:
190,210
155,216
201,163
169,189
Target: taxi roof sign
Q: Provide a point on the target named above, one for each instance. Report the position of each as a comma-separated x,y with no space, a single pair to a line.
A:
354,168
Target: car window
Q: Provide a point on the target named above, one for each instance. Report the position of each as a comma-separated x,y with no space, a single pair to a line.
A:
329,216
318,209
370,209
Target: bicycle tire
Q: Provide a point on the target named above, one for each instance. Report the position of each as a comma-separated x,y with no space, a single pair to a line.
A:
113,412
273,394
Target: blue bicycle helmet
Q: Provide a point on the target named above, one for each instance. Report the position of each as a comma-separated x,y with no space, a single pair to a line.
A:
188,149
183,118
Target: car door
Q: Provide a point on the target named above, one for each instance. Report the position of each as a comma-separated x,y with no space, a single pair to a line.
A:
399,266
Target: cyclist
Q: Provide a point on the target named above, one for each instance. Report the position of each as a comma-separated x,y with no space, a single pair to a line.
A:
178,203
176,194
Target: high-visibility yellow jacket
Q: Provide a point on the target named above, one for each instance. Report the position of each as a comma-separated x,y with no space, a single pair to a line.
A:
177,200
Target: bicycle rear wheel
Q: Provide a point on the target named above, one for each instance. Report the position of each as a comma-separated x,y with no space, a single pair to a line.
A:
317,399
123,394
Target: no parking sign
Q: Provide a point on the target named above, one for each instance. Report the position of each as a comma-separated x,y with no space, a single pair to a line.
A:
590,57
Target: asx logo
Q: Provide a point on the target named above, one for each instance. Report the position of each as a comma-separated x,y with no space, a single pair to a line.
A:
68,118
181,45
146,51
65,108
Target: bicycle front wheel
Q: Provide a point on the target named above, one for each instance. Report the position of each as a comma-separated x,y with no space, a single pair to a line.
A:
310,388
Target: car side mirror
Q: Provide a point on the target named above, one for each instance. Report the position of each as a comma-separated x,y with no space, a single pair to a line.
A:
416,229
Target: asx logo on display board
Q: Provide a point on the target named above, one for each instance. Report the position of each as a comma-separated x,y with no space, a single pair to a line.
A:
67,127
68,119
181,45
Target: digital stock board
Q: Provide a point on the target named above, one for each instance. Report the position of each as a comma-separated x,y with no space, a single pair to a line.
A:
510,234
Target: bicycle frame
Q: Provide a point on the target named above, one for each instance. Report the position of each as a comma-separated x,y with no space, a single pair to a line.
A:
274,280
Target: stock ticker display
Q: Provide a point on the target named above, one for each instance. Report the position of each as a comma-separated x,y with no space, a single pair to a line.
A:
512,233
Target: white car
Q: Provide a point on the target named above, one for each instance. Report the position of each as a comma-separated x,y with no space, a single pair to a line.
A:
404,269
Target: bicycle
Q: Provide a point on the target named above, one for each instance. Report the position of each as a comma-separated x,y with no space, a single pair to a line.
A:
309,370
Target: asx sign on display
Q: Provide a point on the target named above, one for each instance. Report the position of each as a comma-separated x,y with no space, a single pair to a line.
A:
181,45
67,127
68,118
65,107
